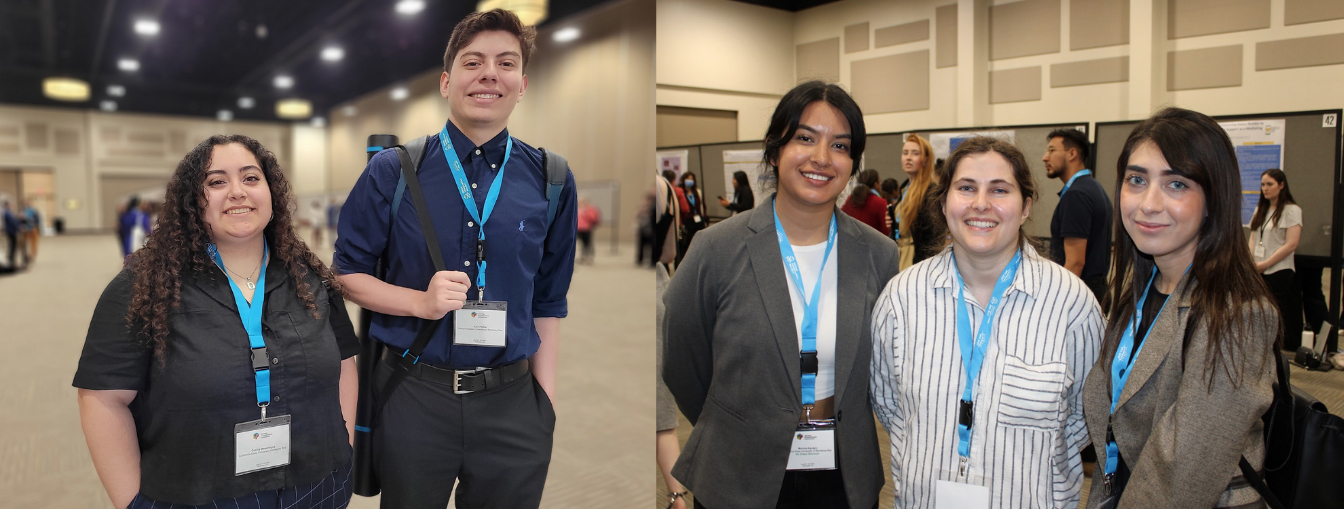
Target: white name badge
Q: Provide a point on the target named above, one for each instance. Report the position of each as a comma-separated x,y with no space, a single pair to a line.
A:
1260,251
261,444
481,323
813,449
955,495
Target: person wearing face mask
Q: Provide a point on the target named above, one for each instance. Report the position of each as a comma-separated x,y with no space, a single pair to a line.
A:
979,353
1276,228
692,202
219,366
1187,368
794,280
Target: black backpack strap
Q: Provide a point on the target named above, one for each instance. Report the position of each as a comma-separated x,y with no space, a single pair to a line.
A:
1259,484
556,170
411,356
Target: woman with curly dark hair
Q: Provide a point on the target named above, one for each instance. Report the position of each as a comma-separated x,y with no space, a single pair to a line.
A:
218,366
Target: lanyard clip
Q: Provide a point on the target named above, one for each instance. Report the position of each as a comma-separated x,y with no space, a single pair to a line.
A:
961,469
1107,484
263,409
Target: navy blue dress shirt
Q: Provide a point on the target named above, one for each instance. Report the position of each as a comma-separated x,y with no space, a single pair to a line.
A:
527,265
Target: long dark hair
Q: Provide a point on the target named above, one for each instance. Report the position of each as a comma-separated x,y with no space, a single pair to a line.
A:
790,109
740,179
181,234
1198,149
1026,184
867,183
1262,209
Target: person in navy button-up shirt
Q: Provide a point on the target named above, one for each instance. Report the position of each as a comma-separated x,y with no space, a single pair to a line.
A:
496,440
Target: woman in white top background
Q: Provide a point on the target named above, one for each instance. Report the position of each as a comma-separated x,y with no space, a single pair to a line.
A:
979,354
1276,229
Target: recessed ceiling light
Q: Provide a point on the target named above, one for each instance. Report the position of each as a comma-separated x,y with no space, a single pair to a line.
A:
116,90
262,32
566,34
350,111
293,109
400,93
128,64
146,27
224,115
332,54
319,122
410,6
283,81
246,102
65,89
108,106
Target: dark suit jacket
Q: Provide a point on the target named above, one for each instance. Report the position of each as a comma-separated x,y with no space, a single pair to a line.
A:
1180,436
732,363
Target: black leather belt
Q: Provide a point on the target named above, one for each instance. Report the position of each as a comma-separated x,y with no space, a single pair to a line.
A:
463,381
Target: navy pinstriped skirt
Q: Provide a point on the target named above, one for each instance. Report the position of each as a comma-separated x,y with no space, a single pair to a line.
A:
332,492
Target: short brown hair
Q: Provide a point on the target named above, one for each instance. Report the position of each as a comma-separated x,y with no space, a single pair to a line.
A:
980,145
495,19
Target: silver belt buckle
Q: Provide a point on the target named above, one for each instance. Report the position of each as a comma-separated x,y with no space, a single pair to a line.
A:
457,373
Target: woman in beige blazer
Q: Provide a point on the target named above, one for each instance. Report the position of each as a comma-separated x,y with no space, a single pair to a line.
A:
1176,398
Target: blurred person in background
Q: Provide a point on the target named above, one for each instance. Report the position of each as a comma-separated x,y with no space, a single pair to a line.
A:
915,231
866,204
13,229
891,192
667,449
644,219
589,218
33,222
135,226
1276,229
743,198
693,216
225,331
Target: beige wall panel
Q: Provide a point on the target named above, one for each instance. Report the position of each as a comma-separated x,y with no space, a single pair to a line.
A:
1019,29
1098,23
1204,68
891,83
1089,72
945,47
819,61
693,126
1015,85
1296,12
749,48
1301,52
856,38
1190,18
901,34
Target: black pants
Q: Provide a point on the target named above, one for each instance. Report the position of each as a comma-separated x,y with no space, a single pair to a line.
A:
809,489
1283,284
586,241
1314,304
1098,287
13,249
496,443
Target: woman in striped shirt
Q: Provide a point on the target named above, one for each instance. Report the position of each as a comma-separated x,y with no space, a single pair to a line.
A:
979,354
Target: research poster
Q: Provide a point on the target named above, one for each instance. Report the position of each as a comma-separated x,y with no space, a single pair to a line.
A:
751,162
1259,146
674,160
945,143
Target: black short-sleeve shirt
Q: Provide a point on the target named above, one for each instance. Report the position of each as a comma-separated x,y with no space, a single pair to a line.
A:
186,408
1084,212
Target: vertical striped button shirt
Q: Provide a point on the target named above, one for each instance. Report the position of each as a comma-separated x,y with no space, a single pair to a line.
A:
1028,423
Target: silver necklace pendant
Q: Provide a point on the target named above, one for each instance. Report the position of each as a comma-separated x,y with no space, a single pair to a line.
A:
251,285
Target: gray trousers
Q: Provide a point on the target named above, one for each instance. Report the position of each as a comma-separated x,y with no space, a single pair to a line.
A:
496,445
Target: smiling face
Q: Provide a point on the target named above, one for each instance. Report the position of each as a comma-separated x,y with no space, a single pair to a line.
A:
912,158
486,81
1161,210
237,204
985,207
1270,187
815,163
1056,158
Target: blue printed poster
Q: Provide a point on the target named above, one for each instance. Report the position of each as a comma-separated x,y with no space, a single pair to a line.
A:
1259,146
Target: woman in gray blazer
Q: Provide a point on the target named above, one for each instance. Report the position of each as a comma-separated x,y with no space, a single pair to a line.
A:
1187,365
778,389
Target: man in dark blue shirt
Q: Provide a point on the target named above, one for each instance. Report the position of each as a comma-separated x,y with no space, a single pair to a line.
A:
1080,230
493,434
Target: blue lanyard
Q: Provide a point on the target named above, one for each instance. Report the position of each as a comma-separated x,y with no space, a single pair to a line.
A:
464,190
972,355
897,226
1073,178
251,316
1125,355
809,344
